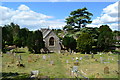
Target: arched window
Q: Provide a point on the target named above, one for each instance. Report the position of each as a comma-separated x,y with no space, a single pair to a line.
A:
51,41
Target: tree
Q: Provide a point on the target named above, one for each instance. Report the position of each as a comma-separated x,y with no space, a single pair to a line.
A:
69,42
78,19
21,38
105,39
35,41
84,42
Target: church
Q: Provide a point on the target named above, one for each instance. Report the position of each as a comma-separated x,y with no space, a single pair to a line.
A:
52,42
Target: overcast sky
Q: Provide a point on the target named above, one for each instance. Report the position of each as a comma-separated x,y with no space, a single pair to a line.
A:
36,15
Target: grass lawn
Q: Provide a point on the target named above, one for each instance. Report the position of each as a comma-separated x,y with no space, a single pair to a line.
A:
87,67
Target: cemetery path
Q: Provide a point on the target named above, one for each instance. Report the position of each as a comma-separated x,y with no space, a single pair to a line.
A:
60,67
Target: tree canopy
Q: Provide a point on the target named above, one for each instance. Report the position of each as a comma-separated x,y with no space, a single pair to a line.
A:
78,19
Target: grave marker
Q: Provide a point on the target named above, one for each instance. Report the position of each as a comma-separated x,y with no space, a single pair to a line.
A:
80,58
67,61
96,60
106,70
75,69
86,57
72,58
101,59
44,57
34,73
76,58
92,55
52,62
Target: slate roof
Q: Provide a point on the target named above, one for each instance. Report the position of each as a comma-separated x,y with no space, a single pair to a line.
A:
45,32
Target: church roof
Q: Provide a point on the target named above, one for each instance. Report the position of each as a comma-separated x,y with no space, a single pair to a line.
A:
45,32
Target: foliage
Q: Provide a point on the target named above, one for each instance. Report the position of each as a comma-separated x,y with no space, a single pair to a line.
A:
105,39
35,41
78,19
21,38
84,42
9,33
13,35
69,42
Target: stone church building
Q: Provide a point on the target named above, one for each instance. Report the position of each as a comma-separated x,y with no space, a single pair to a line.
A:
52,42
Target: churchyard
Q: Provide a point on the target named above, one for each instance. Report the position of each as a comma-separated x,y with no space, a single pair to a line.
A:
54,65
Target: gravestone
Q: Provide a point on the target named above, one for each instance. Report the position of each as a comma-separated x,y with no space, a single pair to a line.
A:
76,63
106,62
7,52
101,59
72,58
86,57
76,58
34,73
20,57
48,56
44,57
52,62
118,62
112,58
80,58
100,53
106,70
29,59
14,54
75,69
96,60
92,55
67,61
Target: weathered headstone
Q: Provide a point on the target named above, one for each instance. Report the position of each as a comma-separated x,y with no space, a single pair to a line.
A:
76,63
96,60
20,57
44,57
48,56
101,59
112,58
80,58
72,58
67,61
30,59
34,73
106,62
92,55
76,58
106,70
75,69
52,62
86,57
118,62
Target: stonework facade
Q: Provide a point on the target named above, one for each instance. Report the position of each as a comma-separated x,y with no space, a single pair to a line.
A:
52,42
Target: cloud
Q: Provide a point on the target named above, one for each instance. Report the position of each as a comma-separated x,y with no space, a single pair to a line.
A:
25,17
23,7
108,16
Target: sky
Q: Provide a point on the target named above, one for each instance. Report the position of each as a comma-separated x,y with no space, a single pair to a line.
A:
36,15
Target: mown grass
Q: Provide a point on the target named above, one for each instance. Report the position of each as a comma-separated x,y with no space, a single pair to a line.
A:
61,69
